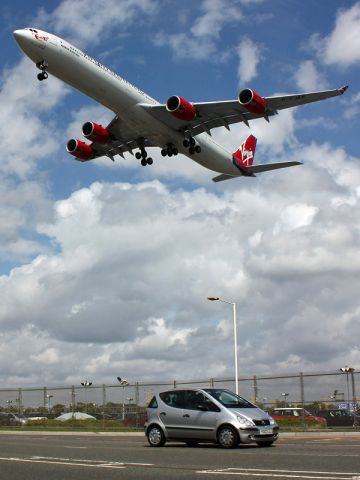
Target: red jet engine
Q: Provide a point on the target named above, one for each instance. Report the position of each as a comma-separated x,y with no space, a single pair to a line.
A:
253,102
181,108
96,133
81,150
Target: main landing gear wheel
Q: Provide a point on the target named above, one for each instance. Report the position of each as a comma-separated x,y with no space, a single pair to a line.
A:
142,155
190,143
169,151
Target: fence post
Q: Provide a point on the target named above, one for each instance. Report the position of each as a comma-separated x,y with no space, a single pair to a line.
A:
211,383
137,400
45,396
20,400
255,389
302,396
73,400
174,383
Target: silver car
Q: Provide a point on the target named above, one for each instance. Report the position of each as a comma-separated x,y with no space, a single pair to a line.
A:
214,415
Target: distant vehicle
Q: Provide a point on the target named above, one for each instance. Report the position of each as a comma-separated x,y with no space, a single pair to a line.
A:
338,417
295,413
212,415
10,419
178,126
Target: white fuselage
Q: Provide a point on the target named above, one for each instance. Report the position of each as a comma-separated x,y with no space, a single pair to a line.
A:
77,69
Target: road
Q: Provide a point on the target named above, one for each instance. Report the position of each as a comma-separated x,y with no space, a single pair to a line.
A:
59,457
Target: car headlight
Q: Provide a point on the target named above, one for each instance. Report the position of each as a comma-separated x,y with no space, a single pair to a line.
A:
272,421
244,422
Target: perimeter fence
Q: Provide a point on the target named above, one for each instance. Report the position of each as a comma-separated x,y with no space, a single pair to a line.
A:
125,400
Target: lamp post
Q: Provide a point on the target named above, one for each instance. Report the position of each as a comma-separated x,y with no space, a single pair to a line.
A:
86,384
351,370
124,383
213,298
285,395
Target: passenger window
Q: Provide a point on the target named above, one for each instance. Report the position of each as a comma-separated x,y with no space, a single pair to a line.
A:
173,399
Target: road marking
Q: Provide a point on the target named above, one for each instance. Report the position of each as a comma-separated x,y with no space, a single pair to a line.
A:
302,474
76,462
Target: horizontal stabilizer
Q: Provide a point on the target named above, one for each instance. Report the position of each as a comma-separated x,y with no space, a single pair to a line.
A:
224,176
271,166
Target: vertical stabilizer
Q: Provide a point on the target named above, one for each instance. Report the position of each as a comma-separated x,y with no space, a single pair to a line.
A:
244,155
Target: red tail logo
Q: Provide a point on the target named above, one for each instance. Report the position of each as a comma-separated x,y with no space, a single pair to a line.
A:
244,156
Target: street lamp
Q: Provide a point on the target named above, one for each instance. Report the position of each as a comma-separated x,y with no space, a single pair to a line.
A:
86,384
213,298
124,383
285,395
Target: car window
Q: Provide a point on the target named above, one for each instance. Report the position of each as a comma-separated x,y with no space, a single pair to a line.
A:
198,401
173,399
153,403
229,399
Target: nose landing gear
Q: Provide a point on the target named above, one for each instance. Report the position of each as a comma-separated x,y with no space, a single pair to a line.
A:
42,66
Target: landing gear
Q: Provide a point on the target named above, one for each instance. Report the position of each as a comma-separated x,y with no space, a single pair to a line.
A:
144,158
43,65
169,151
42,76
190,143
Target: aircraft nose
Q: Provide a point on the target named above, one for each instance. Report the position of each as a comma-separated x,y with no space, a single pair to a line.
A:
21,37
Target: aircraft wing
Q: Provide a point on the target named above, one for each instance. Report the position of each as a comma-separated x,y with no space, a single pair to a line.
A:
224,113
123,140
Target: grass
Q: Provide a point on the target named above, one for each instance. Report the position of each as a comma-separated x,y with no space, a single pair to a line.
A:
74,425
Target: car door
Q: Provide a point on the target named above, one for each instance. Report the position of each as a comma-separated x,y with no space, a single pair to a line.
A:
171,413
200,416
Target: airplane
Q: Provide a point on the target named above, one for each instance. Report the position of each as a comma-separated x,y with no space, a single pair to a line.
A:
178,126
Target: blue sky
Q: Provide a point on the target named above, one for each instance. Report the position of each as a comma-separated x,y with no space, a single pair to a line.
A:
102,262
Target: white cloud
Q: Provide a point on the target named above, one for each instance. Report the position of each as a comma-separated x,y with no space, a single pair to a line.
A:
342,46
119,245
249,56
308,77
295,216
200,41
27,135
87,21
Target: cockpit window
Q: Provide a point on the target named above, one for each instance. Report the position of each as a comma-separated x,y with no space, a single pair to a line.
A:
32,30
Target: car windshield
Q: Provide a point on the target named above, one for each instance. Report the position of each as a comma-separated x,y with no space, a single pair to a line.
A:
228,399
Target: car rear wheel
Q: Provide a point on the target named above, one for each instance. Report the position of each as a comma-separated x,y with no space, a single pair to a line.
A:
227,437
155,436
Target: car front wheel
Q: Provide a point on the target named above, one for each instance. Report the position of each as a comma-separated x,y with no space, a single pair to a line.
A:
227,437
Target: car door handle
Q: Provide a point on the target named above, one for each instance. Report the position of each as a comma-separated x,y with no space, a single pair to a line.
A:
163,413
186,415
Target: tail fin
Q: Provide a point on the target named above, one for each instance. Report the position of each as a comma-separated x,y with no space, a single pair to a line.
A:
244,155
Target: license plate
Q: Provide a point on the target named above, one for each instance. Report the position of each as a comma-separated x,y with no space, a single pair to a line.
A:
265,430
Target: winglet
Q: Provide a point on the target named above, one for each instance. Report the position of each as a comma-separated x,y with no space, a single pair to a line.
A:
343,89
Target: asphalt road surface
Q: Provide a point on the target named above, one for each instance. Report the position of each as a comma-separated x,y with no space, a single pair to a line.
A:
57,457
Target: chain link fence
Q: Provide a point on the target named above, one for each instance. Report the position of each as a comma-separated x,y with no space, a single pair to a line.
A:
124,401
